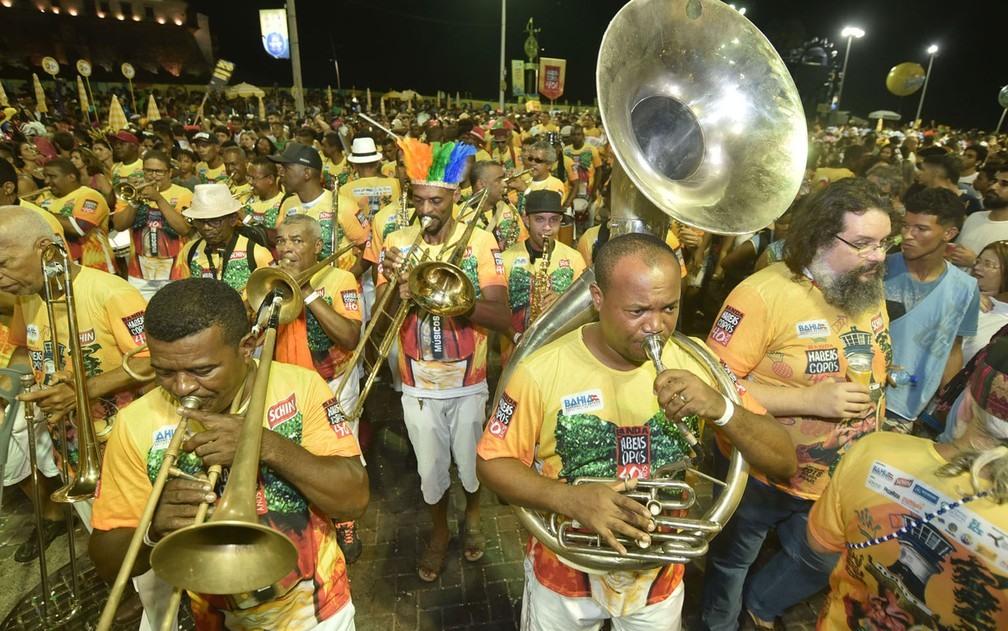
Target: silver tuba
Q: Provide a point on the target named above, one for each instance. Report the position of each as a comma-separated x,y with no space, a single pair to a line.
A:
707,128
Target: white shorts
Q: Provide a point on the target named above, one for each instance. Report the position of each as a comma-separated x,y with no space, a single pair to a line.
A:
18,460
147,288
545,610
442,429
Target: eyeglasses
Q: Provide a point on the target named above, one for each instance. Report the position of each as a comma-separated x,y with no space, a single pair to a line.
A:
155,172
985,264
866,250
216,222
537,160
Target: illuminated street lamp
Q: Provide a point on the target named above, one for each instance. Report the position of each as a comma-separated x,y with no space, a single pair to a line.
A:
850,32
932,50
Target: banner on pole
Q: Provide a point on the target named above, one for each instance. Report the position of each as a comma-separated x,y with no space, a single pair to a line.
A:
221,74
273,26
517,77
551,77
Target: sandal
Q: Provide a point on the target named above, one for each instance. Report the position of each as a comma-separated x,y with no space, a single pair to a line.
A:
473,542
431,563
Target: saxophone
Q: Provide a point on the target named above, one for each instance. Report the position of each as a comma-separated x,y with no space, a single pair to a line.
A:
539,285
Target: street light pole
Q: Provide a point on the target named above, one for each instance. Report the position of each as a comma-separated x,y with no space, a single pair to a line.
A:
850,32
503,66
932,50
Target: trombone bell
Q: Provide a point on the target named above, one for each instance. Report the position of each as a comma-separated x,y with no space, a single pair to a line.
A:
266,280
442,288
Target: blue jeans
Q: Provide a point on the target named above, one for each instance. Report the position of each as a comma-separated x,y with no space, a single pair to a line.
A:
794,574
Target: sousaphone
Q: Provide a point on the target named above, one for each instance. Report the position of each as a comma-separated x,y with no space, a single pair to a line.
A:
707,128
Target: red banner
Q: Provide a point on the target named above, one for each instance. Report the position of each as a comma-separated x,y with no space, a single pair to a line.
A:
551,77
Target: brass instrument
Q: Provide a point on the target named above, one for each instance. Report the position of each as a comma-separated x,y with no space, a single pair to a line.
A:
539,284
46,190
517,175
167,468
689,152
129,192
439,287
403,215
57,270
52,618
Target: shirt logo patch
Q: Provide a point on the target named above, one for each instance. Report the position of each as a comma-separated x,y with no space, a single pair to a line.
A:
161,437
350,302
822,361
135,324
89,206
282,411
498,260
501,419
588,401
633,452
336,419
237,255
813,329
726,324
87,337
877,324
563,263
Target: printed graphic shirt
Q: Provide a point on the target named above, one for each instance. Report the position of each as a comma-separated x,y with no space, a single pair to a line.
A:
265,211
350,227
301,408
569,416
334,175
948,573
368,195
586,160
509,229
382,225
780,332
443,357
230,265
207,175
152,237
110,322
88,243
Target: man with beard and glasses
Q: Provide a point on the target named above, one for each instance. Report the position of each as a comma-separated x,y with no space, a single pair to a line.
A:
810,335
933,305
984,228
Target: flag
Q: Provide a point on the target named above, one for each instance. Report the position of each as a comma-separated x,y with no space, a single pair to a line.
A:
551,77
517,77
152,111
273,27
117,117
39,94
85,106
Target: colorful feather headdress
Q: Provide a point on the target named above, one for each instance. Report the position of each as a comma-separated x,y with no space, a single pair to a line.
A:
441,164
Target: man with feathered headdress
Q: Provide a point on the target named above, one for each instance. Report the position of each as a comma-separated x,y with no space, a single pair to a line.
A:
443,359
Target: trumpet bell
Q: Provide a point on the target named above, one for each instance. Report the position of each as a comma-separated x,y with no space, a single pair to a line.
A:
266,280
701,113
224,557
442,288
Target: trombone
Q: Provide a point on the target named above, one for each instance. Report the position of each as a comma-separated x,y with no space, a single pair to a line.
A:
232,553
37,193
438,287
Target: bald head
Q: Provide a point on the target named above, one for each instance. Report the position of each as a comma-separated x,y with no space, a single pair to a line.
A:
22,235
20,226
646,247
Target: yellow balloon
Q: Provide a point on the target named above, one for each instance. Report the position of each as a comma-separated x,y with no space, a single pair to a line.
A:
905,79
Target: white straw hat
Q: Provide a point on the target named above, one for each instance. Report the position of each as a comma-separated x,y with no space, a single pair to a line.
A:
211,201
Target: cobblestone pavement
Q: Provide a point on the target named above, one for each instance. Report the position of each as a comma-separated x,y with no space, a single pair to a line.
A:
387,593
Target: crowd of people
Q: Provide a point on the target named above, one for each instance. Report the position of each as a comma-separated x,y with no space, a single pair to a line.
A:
863,330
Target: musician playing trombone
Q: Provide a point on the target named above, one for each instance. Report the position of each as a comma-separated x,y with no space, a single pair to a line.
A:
110,322
590,404
309,471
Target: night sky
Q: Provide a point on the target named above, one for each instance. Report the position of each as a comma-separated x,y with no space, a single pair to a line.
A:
454,45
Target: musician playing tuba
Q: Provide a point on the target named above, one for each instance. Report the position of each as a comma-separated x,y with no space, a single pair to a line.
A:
310,470
586,405
536,274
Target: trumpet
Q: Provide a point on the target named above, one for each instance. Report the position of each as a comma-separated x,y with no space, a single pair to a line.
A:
129,192
437,286
517,175
37,193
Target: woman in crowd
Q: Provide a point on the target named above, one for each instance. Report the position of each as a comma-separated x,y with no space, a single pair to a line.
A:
103,151
92,172
989,270
264,146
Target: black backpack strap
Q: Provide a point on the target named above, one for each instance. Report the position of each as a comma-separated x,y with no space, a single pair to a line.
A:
193,251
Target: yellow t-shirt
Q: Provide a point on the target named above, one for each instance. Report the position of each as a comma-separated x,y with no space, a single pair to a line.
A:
779,332
948,573
131,173
446,357
564,267
568,416
155,243
584,162
234,271
385,223
89,212
348,224
586,246
301,408
110,322
371,194
509,228
551,183
207,175
264,211
338,289
243,193
335,175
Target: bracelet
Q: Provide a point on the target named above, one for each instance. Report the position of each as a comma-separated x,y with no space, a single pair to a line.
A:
146,538
729,411
311,298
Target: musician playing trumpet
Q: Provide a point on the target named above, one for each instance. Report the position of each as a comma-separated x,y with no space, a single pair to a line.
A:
590,404
310,470
153,217
538,269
